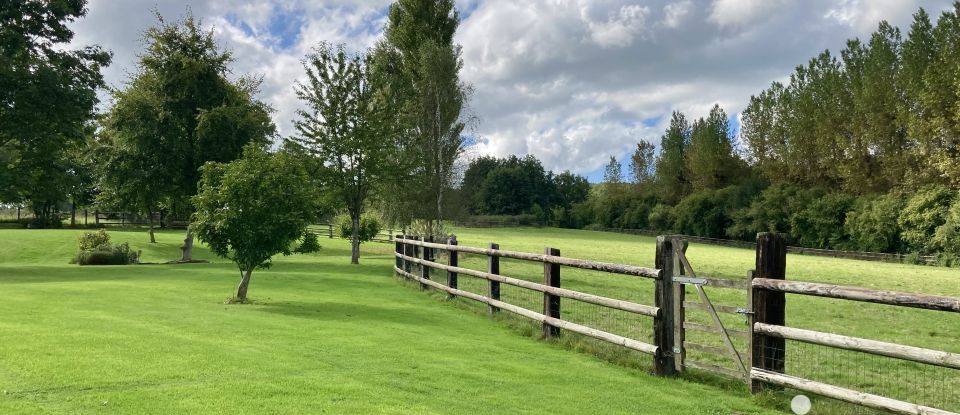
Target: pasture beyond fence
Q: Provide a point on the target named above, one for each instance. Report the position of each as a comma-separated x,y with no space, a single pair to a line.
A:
832,253
757,354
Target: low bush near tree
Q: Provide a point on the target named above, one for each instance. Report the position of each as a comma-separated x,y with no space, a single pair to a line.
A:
96,249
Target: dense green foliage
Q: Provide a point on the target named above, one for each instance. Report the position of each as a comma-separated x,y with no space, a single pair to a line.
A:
369,227
47,97
253,208
179,111
514,186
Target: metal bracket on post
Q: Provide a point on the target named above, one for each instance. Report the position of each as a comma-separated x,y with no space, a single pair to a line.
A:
690,280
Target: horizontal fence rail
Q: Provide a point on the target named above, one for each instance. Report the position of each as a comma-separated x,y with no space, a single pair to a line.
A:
929,302
914,354
533,315
549,259
415,252
560,292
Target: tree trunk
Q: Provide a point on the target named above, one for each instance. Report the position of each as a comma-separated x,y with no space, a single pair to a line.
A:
355,240
153,239
73,214
187,248
244,284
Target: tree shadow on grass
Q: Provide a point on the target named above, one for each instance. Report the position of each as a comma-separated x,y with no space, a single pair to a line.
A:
347,312
33,274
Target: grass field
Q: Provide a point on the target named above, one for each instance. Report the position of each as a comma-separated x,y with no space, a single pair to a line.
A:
323,337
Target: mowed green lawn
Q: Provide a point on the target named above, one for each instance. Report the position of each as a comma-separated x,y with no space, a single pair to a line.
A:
323,337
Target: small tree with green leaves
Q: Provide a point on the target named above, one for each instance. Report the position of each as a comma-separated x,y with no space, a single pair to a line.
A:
252,209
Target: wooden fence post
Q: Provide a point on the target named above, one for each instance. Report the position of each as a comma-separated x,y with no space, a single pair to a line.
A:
398,248
663,325
493,267
408,251
96,217
427,256
453,260
551,303
769,307
330,230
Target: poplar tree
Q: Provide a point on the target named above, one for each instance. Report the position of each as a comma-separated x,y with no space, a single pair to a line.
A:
423,64
671,177
641,163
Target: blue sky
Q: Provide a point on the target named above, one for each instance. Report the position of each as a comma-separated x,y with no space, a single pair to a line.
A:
569,81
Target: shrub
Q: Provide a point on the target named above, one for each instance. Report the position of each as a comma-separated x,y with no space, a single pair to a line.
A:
947,236
913,258
872,224
309,244
924,212
107,254
700,214
661,218
369,227
92,240
772,210
820,224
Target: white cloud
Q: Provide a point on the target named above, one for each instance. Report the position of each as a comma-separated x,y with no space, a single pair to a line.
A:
674,13
570,81
621,29
739,13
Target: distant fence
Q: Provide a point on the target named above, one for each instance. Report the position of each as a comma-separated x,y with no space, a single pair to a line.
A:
865,256
328,230
757,354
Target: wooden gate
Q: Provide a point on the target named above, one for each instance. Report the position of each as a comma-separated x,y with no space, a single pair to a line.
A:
728,353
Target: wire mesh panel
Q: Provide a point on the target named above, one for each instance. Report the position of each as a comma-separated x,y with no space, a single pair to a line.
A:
902,380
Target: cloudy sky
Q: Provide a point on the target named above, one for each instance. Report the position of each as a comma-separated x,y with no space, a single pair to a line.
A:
570,81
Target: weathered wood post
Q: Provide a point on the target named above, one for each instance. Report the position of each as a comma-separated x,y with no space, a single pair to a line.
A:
427,256
551,303
493,267
408,251
769,307
663,324
398,248
96,217
453,261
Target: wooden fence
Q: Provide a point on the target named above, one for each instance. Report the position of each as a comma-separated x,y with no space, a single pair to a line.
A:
759,360
327,229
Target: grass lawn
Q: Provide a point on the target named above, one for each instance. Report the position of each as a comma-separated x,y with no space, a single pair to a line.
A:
323,337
